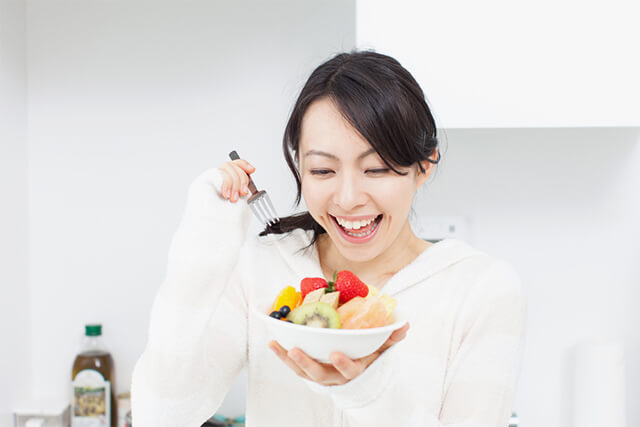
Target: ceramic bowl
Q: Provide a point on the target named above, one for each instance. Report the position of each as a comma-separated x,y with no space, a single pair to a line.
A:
318,343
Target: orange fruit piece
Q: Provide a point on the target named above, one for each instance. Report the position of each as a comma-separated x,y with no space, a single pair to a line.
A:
297,300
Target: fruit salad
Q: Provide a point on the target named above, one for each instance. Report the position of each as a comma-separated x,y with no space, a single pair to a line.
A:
344,303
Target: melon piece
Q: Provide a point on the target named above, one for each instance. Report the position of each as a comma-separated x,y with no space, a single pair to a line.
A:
313,296
371,313
331,298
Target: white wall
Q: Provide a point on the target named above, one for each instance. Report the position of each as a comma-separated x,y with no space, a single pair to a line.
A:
15,366
497,63
562,205
129,102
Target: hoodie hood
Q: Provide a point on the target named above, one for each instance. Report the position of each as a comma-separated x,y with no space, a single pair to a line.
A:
437,257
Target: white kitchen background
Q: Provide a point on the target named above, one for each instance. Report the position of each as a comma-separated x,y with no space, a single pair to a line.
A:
108,110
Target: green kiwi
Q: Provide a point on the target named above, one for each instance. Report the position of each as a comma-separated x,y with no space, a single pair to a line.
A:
316,314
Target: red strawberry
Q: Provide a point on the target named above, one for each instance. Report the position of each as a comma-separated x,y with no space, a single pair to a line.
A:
309,284
349,286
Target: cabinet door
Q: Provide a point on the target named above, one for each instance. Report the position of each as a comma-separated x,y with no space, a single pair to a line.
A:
511,63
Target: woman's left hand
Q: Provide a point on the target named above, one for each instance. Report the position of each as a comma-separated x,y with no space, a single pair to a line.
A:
341,370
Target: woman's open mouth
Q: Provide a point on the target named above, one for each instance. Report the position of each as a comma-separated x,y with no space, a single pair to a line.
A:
357,231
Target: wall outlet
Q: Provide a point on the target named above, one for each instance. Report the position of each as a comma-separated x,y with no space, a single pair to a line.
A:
434,228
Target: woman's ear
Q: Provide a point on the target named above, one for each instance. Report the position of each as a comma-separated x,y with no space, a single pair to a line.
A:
421,177
428,167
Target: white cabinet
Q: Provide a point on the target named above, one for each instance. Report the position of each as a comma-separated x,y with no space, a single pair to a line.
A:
508,63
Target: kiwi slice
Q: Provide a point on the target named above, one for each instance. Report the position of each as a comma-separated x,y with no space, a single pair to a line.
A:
316,314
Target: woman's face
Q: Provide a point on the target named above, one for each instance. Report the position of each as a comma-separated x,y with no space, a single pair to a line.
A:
361,203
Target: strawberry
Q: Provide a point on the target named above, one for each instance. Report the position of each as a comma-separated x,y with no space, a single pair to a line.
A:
349,286
309,284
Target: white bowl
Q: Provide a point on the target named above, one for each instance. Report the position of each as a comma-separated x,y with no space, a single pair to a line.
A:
318,343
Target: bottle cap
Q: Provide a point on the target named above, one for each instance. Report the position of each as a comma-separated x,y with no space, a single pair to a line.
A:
93,330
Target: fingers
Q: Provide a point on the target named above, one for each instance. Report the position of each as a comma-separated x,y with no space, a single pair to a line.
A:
227,181
342,369
235,179
348,368
231,182
313,370
306,367
395,337
282,354
244,165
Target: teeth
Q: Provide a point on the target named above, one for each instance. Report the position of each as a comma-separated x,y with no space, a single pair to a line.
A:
355,225
359,234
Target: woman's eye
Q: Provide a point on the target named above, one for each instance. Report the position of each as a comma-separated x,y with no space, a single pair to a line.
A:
320,171
378,171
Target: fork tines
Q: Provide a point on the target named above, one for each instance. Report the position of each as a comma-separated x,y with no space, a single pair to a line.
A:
261,205
259,202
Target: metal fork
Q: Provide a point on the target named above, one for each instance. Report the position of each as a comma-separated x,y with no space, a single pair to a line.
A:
259,201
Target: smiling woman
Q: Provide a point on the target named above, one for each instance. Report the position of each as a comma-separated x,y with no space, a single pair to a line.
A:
361,203
365,98
360,142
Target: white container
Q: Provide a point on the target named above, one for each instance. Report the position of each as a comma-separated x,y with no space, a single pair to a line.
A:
40,413
600,397
124,409
318,343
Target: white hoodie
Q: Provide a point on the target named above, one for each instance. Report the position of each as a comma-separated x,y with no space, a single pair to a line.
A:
458,365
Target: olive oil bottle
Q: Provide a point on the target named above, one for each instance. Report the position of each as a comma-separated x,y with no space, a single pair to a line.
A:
93,392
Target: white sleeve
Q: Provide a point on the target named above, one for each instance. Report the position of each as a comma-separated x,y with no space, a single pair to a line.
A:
481,374
197,331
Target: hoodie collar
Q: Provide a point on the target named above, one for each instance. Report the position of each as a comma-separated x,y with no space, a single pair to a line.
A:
437,257
304,262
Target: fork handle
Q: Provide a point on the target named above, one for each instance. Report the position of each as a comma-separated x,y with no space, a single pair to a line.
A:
252,187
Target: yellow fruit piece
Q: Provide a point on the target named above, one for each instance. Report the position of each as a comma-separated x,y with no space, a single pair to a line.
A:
373,291
287,296
389,303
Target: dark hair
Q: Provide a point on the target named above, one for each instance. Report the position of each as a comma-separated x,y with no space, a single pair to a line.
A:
381,100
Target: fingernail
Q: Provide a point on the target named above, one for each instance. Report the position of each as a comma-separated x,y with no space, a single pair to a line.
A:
295,356
235,196
245,189
227,192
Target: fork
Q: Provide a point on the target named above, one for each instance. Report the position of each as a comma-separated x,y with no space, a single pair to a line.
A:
259,201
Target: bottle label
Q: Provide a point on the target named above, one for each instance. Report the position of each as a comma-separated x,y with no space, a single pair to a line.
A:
91,400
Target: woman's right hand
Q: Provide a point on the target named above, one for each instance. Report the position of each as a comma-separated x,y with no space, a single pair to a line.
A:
235,179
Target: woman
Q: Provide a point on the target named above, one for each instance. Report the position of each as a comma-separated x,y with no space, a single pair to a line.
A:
360,142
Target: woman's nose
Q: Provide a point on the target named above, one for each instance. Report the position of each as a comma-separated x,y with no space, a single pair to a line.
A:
349,194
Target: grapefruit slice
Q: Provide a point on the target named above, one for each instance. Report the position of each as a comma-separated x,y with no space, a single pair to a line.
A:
350,308
371,313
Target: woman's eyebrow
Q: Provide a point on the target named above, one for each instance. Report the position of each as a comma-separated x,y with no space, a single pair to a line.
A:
331,156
